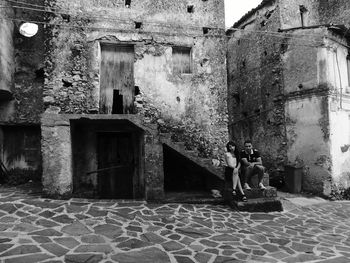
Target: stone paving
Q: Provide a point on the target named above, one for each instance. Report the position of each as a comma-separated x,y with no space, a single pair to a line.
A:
33,229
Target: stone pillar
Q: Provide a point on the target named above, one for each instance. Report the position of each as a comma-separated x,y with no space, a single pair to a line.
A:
154,172
56,150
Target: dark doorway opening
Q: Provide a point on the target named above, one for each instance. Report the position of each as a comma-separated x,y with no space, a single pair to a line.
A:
108,159
116,161
117,103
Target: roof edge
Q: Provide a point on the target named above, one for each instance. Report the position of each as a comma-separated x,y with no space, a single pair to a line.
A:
244,17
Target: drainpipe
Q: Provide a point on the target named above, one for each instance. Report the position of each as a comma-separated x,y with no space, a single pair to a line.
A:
340,82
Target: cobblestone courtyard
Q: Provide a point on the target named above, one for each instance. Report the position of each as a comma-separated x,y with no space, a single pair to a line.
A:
33,229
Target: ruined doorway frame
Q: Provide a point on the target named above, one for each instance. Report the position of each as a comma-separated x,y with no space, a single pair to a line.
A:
84,155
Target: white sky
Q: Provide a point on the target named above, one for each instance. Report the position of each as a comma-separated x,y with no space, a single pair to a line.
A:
235,9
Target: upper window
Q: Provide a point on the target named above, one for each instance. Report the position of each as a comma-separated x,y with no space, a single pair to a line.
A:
182,60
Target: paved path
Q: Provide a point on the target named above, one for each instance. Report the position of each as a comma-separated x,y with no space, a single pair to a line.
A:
33,229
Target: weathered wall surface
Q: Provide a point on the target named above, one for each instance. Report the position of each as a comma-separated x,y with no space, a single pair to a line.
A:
339,111
22,76
6,48
27,62
334,11
307,109
255,87
290,13
192,106
308,140
57,158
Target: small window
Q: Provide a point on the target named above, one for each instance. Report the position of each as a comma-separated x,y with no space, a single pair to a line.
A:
138,25
127,3
206,30
182,60
190,8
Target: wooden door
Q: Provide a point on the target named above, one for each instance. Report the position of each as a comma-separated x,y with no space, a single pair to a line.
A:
117,89
116,162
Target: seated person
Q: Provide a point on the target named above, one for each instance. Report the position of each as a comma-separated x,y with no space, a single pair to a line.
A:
232,165
251,165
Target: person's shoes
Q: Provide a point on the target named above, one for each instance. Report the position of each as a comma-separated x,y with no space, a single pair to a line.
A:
216,193
244,198
247,187
261,186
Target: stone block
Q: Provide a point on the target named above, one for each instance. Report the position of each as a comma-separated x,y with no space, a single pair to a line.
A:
257,205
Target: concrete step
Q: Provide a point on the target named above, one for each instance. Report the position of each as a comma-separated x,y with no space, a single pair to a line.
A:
258,200
262,204
192,198
271,204
258,193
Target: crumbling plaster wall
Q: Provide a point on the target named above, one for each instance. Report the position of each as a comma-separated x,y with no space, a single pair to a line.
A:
22,75
307,108
25,69
255,87
339,112
290,13
191,106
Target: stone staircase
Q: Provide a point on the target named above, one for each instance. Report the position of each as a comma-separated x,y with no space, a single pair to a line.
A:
258,200
192,155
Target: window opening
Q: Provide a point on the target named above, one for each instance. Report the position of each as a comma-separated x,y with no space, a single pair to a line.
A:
190,8
206,30
138,25
182,60
127,3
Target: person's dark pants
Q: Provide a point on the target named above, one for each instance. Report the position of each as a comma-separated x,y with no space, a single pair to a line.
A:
250,171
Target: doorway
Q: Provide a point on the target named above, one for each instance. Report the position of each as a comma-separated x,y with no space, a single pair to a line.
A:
117,90
116,162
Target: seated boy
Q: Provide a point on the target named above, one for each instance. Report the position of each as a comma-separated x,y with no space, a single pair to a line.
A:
251,165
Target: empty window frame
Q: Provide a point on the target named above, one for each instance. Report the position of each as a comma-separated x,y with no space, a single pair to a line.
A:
182,60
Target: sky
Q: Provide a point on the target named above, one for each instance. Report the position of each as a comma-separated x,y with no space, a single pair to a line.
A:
235,9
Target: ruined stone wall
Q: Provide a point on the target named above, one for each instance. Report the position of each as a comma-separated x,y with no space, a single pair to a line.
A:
27,60
22,77
191,106
255,87
6,48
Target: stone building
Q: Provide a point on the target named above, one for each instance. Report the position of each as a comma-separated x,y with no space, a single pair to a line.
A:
288,81
123,99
